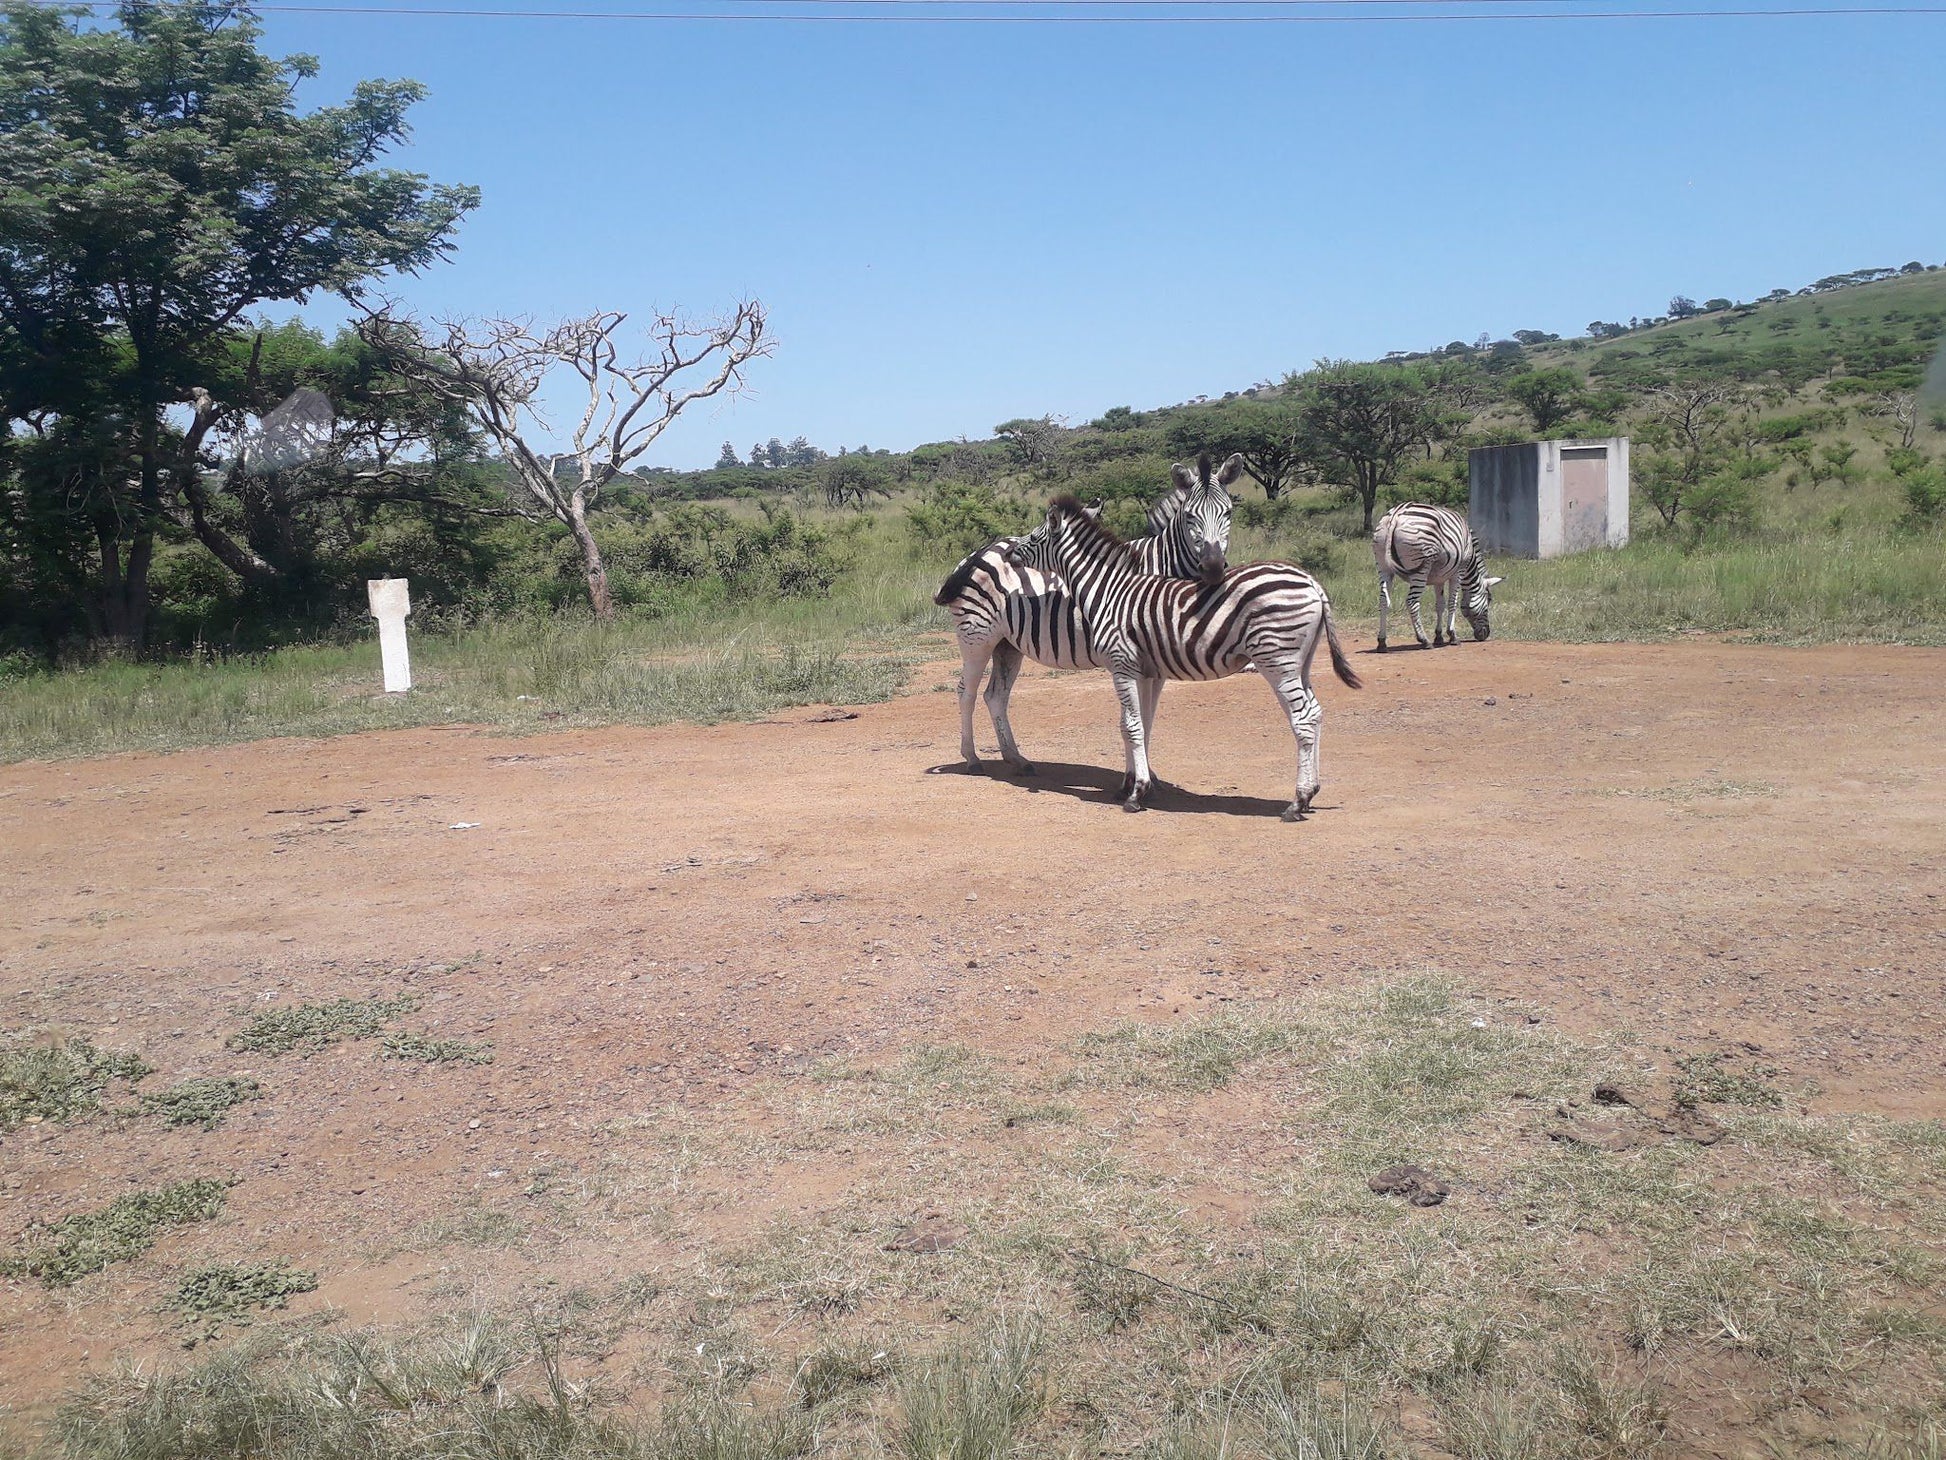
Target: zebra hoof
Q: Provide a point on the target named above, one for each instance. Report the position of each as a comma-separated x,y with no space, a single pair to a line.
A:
1293,812
1133,804
1381,646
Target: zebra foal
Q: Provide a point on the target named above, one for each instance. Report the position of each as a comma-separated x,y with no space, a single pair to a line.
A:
1425,544
1267,616
1003,613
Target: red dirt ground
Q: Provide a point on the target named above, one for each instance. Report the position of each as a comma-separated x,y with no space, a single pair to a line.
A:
1698,842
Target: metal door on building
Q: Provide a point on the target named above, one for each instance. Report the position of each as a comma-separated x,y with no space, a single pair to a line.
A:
1584,498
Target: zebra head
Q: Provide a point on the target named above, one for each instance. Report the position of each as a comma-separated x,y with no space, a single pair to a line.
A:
1478,606
1201,529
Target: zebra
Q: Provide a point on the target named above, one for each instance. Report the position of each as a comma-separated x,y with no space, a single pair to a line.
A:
1425,544
1002,612
1144,630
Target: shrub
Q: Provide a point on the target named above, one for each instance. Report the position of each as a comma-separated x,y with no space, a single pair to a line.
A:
1925,494
960,518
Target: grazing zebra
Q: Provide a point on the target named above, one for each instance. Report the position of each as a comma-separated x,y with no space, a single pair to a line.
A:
1269,616
1433,545
1002,612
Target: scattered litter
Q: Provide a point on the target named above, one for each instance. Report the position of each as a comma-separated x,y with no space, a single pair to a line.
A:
462,826
1416,1184
931,1233
1478,1023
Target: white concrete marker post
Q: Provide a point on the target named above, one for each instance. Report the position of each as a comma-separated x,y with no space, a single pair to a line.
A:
390,604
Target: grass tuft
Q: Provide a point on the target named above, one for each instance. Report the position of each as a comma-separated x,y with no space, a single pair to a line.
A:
972,1402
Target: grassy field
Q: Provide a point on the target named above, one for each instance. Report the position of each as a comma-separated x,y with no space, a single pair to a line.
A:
1692,1259
1801,579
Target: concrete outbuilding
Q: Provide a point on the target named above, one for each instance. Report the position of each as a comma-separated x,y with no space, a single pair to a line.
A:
1542,499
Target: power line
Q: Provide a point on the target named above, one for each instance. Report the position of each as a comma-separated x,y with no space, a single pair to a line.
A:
979,14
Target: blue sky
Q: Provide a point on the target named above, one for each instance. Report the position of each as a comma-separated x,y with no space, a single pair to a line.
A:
952,225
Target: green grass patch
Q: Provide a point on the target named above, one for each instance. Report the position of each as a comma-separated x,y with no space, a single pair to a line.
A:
58,1081
401,1044
202,1101
516,674
308,1028
63,1252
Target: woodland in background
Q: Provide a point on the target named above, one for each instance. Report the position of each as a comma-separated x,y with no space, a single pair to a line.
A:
184,473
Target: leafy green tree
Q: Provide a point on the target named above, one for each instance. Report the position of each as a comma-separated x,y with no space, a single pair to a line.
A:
160,183
1549,396
727,457
1265,433
1359,424
1698,464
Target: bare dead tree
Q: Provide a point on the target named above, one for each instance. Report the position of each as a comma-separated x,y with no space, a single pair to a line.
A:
1900,408
497,368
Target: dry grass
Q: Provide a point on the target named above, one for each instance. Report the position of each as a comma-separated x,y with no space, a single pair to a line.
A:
1776,1287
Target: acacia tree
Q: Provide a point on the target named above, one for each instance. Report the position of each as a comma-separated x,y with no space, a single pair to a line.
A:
160,183
853,480
1034,440
498,370
1268,435
1360,423
1550,396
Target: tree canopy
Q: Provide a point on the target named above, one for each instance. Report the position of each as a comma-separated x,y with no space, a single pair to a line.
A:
161,184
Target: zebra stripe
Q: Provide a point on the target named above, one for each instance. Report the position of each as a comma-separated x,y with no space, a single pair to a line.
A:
1425,544
1002,612
1267,616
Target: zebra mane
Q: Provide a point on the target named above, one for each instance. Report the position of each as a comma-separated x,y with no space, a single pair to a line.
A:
1068,507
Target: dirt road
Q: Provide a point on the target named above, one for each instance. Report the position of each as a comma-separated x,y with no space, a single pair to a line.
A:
1700,843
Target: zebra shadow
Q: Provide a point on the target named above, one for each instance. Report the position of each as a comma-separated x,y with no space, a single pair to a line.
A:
1102,785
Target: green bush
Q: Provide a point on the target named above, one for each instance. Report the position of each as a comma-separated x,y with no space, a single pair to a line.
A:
958,517
1925,494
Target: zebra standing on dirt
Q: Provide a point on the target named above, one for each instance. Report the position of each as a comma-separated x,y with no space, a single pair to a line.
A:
1002,612
1425,544
1267,616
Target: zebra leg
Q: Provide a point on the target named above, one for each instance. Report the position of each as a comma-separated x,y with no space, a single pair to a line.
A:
1151,697
1413,594
1438,615
1128,689
1289,683
999,691
973,659
1384,605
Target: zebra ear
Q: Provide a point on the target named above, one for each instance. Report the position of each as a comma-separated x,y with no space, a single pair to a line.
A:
1491,581
1182,478
1093,509
1230,470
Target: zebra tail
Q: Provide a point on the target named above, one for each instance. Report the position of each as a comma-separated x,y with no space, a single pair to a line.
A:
1338,660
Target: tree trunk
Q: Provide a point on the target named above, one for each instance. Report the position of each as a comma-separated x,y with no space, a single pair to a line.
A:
596,574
